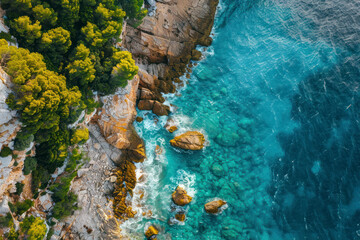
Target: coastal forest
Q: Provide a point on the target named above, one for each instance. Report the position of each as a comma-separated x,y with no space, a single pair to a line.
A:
69,50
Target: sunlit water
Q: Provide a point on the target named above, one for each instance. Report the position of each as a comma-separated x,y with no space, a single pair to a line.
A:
277,99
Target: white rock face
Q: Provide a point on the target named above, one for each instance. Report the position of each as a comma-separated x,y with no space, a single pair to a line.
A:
92,186
9,126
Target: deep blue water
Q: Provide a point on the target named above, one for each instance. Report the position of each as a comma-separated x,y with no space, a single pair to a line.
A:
277,96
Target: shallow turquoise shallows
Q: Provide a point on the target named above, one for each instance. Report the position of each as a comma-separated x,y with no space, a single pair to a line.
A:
277,97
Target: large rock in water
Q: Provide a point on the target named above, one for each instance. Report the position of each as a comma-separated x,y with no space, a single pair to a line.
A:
192,140
214,206
180,197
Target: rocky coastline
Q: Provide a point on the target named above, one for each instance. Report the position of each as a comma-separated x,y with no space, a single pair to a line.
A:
163,46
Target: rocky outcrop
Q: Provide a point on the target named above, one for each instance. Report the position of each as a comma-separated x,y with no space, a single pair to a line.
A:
117,115
165,43
180,196
215,206
192,140
174,31
93,185
149,96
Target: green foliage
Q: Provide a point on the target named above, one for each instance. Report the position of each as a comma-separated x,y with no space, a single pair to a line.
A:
80,136
132,8
16,8
12,234
74,160
19,187
92,35
29,165
37,229
5,151
6,220
61,189
26,224
46,16
52,154
22,141
55,43
124,70
20,207
82,68
50,233
42,96
40,179
25,30
34,228
65,207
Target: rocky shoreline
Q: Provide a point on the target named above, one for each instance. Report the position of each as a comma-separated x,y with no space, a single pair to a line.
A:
163,46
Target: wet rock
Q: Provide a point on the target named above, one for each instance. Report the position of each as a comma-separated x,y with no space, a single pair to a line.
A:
172,129
195,55
161,109
139,119
151,231
214,206
171,125
191,140
158,150
180,217
157,107
180,197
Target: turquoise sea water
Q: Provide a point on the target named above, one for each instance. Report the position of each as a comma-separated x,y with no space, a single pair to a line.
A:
277,97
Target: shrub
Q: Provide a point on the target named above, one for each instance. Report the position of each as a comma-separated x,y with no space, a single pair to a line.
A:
22,141
29,165
6,151
5,220
80,136
37,230
19,187
20,207
65,207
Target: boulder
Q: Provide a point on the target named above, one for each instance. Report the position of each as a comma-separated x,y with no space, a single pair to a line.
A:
151,231
214,207
191,140
157,107
180,217
139,119
180,197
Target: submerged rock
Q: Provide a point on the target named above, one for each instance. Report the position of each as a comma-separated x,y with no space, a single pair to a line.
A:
192,140
227,138
214,207
180,197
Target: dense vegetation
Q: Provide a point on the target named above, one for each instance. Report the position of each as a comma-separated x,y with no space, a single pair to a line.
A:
66,53
69,54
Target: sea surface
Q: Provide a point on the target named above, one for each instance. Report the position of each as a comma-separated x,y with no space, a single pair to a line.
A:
277,97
